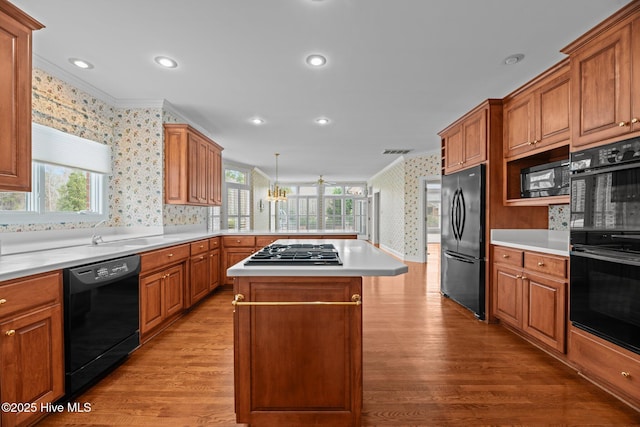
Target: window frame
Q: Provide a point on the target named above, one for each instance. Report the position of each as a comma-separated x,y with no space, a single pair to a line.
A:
233,185
35,212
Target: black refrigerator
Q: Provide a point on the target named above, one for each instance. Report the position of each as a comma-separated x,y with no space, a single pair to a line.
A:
463,238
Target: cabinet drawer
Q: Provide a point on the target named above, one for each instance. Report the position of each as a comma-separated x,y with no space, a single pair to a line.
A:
508,256
605,362
262,241
199,247
151,260
547,264
23,294
238,241
214,243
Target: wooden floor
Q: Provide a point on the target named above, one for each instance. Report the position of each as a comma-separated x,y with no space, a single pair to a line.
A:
427,362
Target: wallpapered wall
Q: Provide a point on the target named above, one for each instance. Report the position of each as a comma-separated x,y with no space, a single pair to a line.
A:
259,189
136,138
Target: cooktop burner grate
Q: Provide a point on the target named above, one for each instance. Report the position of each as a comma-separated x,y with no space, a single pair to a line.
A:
296,254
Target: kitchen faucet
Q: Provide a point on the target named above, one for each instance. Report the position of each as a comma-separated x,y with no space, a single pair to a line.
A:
96,238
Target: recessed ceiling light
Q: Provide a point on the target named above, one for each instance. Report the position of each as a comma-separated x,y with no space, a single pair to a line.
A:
165,62
81,63
514,59
322,121
257,121
316,60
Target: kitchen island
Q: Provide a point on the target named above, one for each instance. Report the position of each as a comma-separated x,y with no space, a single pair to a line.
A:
298,337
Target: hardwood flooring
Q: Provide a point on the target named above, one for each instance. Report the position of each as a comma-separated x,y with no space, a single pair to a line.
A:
427,362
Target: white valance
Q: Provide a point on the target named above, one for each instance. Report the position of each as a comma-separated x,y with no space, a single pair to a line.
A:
50,145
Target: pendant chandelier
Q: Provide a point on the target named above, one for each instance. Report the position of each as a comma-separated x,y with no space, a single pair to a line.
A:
275,193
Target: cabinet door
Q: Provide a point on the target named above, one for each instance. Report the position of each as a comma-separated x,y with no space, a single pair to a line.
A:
474,137
15,105
214,176
553,111
635,79
214,269
544,314
508,295
31,352
518,125
198,150
601,87
199,278
295,362
232,257
151,301
454,150
173,288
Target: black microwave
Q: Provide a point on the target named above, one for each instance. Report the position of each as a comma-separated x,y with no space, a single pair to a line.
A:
550,179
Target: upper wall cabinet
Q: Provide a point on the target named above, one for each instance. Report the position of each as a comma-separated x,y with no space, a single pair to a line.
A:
605,76
192,167
15,97
464,143
537,116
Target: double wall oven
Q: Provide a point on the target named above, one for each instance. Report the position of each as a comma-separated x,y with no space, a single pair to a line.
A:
605,239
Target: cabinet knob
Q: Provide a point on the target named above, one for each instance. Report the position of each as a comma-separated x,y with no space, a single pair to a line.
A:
625,374
238,241
169,255
518,276
202,257
635,120
201,246
524,277
3,301
540,264
623,124
505,256
10,332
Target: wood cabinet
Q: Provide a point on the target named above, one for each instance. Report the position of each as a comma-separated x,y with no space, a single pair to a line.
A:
214,263
613,367
530,294
31,344
605,80
235,249
193,167
538,114
298,364
162,288
465,143
15,97
199,272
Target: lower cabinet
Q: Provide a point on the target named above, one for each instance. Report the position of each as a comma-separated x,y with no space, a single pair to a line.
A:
162,285
199,272
617,369
214,263
236,248
31,345
530,294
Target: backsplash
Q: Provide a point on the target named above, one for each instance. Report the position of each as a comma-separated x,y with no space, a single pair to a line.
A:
136,138
559,217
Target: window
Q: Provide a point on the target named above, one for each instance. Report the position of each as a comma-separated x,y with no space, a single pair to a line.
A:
238,201
344,208
68,181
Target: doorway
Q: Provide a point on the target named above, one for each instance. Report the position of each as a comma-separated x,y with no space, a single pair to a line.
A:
431,209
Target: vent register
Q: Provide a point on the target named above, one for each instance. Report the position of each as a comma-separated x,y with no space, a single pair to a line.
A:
396,151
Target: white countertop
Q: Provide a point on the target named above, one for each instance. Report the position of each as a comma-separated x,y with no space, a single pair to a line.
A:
15,265
359,258
553,242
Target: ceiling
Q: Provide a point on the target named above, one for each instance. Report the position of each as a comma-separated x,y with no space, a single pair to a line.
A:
398,71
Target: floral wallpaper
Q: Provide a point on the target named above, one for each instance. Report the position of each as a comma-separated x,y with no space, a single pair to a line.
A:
390,184
259,189
135,188
559,217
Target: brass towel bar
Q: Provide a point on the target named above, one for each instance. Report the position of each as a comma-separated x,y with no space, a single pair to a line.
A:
239,300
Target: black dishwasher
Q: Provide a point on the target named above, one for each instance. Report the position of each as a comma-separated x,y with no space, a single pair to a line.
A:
101,319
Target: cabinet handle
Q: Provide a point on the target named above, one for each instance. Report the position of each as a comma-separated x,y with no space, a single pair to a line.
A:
518,276
541,264
3,301
201,257
623,124
524,277
635,120
169,255
625,374
10,332
237,241
505,256
201,246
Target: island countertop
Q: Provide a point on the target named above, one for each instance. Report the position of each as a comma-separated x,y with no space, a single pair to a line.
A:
359,258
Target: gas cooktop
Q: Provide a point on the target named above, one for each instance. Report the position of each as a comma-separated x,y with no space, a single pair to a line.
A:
296,254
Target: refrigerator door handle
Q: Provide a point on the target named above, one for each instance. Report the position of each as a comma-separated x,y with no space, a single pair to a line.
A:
454,216
463,214
457,258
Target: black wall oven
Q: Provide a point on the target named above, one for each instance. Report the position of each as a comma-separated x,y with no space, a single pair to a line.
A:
605,241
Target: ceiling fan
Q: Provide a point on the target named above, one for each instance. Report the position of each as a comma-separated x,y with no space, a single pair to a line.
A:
322,181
